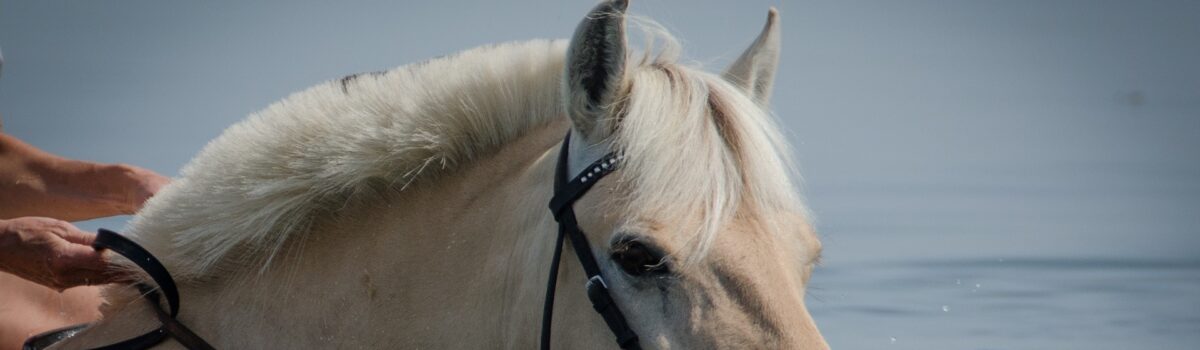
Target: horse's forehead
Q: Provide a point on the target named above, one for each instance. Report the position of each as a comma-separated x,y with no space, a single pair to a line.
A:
782,232
774,229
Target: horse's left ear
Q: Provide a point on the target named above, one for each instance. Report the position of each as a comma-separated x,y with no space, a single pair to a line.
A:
595,69
754,71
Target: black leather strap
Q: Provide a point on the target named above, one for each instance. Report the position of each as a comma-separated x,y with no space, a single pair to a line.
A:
565,194
117,243
46,339
548,303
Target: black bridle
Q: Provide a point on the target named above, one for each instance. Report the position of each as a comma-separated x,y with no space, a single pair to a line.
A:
565,194
170,327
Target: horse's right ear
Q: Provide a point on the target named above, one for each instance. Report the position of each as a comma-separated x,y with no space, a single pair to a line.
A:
595,69
754,71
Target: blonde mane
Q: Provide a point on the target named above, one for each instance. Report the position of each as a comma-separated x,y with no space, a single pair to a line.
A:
267,178
699,149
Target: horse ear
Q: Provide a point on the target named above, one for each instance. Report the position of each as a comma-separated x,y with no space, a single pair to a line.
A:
754,71
595,69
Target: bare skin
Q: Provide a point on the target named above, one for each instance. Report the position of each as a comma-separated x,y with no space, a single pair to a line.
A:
36,183
47,265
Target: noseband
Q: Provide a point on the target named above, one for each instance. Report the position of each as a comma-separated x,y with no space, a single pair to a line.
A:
565,194
171,327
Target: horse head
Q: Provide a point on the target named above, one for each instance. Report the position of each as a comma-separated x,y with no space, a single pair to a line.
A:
700,233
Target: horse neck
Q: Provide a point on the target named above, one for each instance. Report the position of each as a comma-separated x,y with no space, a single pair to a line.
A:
445,259
461,260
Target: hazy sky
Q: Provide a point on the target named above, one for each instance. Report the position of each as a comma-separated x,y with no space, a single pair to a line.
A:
924,128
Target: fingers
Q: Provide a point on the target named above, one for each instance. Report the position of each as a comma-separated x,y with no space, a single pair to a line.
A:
80,265
72,234
53,253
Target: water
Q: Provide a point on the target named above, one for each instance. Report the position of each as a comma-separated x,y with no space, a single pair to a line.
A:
1020,254
1009,304
1063,256
1024,234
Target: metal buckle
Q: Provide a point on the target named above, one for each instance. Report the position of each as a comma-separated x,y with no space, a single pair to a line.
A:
594,279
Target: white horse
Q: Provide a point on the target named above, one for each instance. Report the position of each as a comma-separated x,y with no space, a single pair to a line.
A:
407,208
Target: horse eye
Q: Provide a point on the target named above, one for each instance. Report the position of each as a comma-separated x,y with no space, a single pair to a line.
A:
637,259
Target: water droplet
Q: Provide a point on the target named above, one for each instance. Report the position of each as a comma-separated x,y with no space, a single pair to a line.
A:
958,282
893,339
945,308
977,285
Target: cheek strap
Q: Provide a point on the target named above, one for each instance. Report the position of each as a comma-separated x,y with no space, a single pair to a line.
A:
561,205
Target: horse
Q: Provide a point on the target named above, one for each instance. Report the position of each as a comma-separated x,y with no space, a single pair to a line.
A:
407,208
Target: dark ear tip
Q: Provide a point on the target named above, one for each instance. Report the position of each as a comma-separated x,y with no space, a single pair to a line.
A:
608,9
619,5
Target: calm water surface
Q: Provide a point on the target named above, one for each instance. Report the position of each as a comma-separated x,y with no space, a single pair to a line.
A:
1000,303
1062,258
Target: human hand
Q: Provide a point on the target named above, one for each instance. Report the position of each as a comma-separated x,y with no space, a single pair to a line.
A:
52,253
36,183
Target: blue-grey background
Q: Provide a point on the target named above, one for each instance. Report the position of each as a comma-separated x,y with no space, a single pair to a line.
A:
985,174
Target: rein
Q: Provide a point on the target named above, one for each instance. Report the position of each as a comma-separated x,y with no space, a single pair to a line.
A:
565,194
170,327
